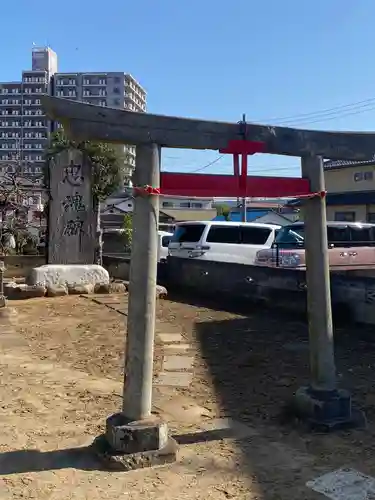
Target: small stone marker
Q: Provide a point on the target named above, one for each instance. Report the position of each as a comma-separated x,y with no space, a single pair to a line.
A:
344,484
74,230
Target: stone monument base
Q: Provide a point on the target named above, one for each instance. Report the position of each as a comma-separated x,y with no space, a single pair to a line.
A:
128,445
68,275
327,410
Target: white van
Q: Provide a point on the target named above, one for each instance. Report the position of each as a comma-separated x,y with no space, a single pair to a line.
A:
164,239
222,241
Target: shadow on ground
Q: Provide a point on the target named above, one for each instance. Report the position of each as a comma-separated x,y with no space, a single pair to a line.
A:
256,363
22,461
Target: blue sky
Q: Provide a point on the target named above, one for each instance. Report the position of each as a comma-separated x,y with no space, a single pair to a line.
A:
274,60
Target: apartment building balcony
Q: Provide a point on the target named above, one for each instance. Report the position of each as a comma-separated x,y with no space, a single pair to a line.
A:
101,93
34,125
10,102
38,113
34,91
28,102
129,85
65,83
10,135
10,129
34,137
10,93
65,96
98,83
4,148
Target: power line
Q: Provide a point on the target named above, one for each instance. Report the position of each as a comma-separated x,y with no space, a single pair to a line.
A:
321,116
321,112
337,116
208,164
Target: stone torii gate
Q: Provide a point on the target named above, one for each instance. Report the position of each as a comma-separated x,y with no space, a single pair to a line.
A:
135,433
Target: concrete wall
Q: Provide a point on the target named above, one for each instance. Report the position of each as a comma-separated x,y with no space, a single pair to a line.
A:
238,282
353,294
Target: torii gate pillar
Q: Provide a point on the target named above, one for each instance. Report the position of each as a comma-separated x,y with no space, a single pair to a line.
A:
134,437
322,404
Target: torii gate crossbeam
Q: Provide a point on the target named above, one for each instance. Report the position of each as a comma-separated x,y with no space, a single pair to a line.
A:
85,121
321,402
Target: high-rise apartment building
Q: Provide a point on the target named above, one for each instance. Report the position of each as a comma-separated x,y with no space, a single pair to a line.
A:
113,89
24,128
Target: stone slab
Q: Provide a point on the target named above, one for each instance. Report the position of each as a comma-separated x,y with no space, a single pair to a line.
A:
227,427
177,362
174,379
169,338
175,348
68,275
183,410
344,484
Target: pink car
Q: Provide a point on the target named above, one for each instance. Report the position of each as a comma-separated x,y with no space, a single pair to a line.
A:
350,245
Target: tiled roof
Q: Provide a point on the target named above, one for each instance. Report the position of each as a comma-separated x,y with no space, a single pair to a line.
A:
332,164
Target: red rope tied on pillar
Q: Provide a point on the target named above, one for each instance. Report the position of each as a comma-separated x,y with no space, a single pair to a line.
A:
317,194
145,191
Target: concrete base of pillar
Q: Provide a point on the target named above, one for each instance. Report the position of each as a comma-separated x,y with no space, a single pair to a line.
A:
128,445
327,411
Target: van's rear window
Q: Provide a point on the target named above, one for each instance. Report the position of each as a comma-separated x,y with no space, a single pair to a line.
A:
190,233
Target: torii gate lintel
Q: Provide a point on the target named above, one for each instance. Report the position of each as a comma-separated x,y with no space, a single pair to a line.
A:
86,121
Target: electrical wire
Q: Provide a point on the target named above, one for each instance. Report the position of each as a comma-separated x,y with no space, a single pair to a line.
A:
315,114
208,165
329,118
329,114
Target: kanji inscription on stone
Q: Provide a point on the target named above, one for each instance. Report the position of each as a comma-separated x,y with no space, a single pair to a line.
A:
74,202
73,214
73,174
73,227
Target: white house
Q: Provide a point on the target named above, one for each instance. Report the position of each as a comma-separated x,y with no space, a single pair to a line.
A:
124,201
172,209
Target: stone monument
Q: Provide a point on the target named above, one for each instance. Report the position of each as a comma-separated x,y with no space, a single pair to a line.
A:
74,227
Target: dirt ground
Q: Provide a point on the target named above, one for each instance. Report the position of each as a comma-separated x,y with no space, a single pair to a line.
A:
61,370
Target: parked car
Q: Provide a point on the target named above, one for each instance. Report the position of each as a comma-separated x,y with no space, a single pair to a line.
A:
164,239
350,244
221,241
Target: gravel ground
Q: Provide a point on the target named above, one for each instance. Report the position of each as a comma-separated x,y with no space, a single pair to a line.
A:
61,372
